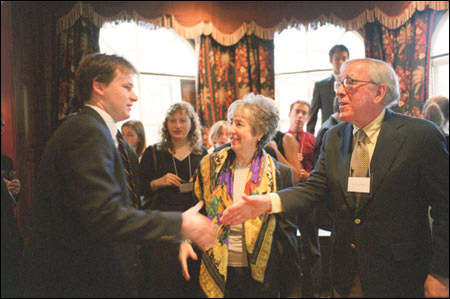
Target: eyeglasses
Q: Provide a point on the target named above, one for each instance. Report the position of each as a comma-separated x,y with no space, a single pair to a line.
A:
349,83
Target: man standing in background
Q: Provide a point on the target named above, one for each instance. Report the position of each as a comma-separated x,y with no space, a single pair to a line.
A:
324,93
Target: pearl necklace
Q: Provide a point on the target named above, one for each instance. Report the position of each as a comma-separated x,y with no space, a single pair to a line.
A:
243,165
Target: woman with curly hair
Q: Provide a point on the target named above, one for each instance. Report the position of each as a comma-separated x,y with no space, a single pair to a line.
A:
166,172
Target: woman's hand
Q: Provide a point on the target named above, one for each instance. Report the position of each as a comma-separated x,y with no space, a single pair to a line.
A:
186,251
169,179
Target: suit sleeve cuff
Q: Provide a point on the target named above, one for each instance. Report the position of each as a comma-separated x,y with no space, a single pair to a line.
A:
276,203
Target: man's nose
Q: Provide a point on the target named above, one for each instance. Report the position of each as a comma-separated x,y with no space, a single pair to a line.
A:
340,93
133,96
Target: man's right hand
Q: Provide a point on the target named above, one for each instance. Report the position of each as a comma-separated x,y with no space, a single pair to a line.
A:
250,207
198,228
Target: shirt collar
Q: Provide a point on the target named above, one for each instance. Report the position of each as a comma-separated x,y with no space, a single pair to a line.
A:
110,123
372,128
336,78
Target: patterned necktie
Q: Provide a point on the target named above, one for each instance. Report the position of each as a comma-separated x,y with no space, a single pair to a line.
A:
127,169
360,160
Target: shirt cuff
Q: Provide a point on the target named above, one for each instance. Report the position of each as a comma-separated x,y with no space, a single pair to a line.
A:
276,203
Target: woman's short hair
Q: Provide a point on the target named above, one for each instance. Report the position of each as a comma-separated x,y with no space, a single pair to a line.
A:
194,136
262,114
138,128
215,131
380,73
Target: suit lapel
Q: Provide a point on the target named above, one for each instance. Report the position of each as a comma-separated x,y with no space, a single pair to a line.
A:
389,143
345,150
330,88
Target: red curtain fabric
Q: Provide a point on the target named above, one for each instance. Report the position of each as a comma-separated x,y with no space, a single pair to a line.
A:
228,73
74,43
407,50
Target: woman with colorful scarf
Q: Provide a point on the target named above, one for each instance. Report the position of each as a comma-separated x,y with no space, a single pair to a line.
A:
258,258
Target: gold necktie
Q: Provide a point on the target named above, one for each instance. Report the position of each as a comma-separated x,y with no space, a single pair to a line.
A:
360,160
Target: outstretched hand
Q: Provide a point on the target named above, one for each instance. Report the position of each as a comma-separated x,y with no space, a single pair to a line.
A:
250,207
198,228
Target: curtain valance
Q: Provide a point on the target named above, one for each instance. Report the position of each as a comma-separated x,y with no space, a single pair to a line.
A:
228,21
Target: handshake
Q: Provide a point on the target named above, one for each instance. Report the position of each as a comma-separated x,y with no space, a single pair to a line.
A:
198,228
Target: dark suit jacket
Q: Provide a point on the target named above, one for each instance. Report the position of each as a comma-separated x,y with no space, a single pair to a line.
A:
390,229
86,231
323,98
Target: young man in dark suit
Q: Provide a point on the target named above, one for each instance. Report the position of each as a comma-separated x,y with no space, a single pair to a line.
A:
86,227
324,93
381,240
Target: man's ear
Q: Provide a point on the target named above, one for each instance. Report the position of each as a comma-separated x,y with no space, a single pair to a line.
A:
98,87
380,93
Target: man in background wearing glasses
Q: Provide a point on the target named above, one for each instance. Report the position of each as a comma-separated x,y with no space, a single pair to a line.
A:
378,172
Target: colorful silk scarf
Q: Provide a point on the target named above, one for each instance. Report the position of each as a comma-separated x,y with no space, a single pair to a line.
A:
214,185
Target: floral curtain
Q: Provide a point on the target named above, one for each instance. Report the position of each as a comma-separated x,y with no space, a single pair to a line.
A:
228,73
407,50
73,44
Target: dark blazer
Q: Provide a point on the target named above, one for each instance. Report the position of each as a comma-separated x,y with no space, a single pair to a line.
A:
86,231
323,97
390,230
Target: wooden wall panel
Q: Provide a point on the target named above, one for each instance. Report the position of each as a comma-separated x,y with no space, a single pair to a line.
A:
33,28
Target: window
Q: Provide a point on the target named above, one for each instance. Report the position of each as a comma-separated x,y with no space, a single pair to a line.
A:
440,59
164,60
301,58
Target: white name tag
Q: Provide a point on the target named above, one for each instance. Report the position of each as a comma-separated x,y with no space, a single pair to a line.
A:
187,187
359,184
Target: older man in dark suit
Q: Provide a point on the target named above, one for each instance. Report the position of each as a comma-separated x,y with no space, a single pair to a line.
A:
324,93
378,171
86,223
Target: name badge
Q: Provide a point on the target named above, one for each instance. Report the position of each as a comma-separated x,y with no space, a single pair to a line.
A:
187,187
359,184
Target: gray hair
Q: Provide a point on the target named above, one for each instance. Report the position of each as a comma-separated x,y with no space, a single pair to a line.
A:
380,73
215,131
262,114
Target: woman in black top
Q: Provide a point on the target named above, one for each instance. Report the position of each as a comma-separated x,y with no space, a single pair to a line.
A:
167,186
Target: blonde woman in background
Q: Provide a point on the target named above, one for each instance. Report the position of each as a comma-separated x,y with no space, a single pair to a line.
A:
166,172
